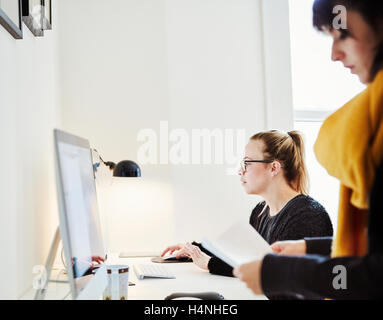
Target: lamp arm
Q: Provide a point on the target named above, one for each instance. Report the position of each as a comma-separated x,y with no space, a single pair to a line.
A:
109,164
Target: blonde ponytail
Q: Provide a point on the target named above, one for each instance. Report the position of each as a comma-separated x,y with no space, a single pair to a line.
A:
288,148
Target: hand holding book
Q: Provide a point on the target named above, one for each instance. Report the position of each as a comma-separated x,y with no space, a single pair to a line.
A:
240,244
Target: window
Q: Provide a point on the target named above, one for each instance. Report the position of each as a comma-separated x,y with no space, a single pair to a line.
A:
320,86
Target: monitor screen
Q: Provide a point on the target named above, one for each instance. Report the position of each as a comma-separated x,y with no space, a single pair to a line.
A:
79,217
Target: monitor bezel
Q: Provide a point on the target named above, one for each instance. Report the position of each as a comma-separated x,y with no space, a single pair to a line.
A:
61,136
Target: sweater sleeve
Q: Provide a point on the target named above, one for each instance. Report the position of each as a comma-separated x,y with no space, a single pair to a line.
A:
216,265
219,267
318,245
319,277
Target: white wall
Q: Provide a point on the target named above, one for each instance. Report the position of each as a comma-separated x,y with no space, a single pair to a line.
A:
129,64
29,109
277,64
215,81
114,83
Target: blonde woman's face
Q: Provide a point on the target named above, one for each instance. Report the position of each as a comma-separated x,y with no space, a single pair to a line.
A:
355,46
257,176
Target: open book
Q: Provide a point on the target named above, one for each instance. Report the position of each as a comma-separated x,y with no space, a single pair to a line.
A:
240,244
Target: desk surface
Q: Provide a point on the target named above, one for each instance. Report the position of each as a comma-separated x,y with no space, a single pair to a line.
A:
189,278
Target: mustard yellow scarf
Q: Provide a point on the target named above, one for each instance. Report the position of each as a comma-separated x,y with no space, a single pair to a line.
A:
350,147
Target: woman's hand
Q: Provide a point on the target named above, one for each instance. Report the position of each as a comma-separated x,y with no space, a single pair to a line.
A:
250,273
201,259
180,248
98,259
293,248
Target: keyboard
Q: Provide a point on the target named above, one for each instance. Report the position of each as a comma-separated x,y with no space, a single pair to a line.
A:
152,271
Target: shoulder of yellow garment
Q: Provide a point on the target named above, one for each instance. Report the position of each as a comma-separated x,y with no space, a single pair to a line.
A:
373,93
377,83
348,144
376,92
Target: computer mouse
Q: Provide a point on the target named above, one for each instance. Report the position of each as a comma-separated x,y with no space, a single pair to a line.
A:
174,258
171,260
211,295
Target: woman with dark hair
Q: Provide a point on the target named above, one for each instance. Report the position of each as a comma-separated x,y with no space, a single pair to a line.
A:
274,168
350,147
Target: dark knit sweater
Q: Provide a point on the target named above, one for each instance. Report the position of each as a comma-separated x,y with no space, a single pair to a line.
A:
301,217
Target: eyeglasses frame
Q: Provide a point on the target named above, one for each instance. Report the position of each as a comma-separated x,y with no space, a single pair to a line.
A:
244,162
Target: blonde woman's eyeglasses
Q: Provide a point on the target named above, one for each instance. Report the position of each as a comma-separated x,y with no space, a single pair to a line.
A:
244,162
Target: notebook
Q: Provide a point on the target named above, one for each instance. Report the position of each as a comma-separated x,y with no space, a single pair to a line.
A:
240,244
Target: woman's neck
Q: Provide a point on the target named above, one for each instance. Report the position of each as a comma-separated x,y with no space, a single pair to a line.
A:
277,199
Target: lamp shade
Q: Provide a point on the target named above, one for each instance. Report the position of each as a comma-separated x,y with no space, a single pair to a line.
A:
127,168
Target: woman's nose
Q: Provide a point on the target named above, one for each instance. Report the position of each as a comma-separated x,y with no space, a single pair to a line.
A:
336,53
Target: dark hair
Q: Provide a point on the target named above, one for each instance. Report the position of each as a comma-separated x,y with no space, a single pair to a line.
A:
370,10
288,148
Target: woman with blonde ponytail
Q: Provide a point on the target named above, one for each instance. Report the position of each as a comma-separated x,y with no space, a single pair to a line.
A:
273,167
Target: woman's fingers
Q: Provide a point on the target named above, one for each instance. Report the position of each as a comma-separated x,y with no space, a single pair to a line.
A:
277,247
182,253
289,247
184,250
165,251
199,258
98,259
192,250
171,249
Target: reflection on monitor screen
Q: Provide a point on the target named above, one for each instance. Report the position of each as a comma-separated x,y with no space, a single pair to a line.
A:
81,209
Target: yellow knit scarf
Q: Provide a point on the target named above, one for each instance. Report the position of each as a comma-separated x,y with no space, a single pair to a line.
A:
350,147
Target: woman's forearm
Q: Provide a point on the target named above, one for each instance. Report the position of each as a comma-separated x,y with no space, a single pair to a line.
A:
314,276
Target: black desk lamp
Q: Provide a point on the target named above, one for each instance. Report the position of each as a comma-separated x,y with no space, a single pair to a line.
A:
125,168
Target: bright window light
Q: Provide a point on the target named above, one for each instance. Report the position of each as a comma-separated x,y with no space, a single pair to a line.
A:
320,86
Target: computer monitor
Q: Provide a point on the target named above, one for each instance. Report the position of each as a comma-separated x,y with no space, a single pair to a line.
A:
80,228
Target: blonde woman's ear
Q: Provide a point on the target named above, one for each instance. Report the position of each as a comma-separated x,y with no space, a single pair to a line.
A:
275,167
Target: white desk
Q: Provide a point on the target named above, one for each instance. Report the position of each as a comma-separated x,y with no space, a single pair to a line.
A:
189,278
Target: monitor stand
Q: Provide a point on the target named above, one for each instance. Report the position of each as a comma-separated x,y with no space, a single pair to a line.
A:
92,291
40,293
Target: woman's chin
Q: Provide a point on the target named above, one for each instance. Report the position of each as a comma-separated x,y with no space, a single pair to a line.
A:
247,189
364,78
